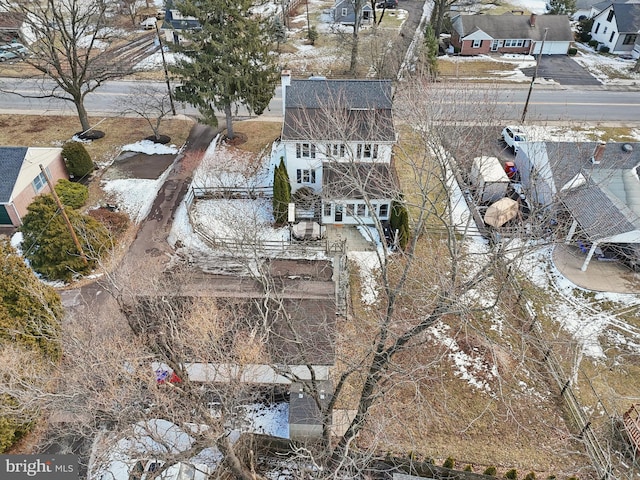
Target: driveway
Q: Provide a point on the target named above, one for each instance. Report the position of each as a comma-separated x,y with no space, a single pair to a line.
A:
564,70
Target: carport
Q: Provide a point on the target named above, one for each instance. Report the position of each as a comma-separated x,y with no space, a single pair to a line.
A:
603,218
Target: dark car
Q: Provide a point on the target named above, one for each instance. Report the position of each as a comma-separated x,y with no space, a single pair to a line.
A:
390,4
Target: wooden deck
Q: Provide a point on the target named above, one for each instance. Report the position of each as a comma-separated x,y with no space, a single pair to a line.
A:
631,420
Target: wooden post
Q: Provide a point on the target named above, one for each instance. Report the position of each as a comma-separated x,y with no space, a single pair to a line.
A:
64,215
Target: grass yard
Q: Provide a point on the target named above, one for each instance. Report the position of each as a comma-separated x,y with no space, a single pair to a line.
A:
259,134
472,68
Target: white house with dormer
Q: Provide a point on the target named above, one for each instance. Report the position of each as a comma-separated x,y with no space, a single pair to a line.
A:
337,141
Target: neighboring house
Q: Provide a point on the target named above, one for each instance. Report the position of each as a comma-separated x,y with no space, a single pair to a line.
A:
21,179
337,140
11,25
508,33
344,13
598,184
583,9
175,24
617,27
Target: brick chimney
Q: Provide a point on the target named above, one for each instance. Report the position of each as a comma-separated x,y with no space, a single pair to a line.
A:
532,20
598,153
285,81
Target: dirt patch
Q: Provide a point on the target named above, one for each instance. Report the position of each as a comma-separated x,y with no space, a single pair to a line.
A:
139,165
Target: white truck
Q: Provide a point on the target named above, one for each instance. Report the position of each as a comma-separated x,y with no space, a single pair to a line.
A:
489,179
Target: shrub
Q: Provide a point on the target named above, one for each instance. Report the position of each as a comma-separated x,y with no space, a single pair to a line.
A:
115,222
530,476
604,49
468,468
593,43
72,194
572,51
511,474
585,37
77,159
312,35
449,463
491,471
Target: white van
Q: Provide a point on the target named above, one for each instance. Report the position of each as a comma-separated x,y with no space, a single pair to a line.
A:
149,23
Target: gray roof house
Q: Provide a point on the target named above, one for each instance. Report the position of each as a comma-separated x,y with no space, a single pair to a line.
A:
598,184
21,179
343,13
617,27
336,141
508,33
175,24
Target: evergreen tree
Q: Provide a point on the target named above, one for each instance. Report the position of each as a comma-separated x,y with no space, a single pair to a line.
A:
399,221
30,311
77,159
562,7
431,51
48,244
229,61
281,194
72,194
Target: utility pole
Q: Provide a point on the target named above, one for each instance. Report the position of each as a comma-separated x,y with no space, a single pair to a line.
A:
166,72
535,74
64,215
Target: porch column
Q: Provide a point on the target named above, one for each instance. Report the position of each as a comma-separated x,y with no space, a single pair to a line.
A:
589,255
572,231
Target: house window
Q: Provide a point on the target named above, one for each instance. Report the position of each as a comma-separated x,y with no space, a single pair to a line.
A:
514,43
630,38
305,150
361,209
605,30
305,176
327,209
39,182
350,209
597,27
610,16
476,44
367,150
365,15
611,37
337,149
344,12
384,210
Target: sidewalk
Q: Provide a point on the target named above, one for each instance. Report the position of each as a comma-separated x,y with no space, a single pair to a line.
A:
600,276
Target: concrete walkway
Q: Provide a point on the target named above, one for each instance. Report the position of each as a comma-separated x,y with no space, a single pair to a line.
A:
600,276
355,242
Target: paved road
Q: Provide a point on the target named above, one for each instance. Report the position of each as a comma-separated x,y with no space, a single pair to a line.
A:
578,104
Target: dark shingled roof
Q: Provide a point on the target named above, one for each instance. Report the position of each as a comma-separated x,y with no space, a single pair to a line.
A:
599,215
11,159
627,16
339,110
515,26
353,179
11,21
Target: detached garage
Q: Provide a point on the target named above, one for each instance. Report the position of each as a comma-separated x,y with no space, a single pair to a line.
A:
21,179
514,34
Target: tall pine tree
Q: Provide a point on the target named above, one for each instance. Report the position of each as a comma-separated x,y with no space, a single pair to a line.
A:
229,61
399,222
281,193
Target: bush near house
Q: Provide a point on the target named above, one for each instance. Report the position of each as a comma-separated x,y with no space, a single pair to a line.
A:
572,51
281,194
593,43
72,194
400,221
604,49
77,159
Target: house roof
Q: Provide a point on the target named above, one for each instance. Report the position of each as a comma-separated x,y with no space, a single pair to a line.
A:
339,110
510,26
11,21
600,215
11,159
349,5
352,180
627,16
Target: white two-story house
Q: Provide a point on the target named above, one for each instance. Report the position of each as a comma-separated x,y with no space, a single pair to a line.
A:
338,137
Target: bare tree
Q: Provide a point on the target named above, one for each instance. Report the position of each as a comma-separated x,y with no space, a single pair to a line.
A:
71,46
133,8
151,102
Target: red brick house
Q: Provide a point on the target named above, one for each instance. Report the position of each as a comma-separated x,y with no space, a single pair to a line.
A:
520,34
21,179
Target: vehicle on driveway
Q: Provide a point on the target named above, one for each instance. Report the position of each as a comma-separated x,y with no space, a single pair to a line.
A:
513,137
149,23
388,4
7,55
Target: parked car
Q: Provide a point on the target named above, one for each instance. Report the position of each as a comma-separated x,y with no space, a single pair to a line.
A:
149,23
7,55
17,48
389,4
513,137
